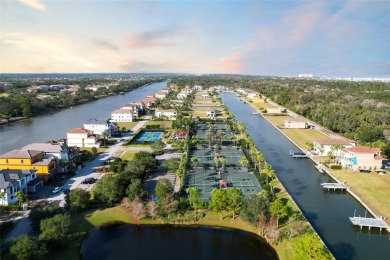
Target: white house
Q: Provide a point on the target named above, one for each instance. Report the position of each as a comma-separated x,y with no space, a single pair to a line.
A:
251,94
170,114
122,115
324,146
133,107
361,157
210,112
197,88
12,181
275,110
296,123
182,95
161,94
81,137
99,126
205,95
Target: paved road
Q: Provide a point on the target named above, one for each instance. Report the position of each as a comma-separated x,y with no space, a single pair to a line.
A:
87,171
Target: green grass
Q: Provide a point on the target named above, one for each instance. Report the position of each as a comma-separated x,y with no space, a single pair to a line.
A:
128,155
278,120
166,125
4,95
303,136
127,125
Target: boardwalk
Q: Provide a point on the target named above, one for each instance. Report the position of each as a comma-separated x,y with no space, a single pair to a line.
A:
369,222
334,186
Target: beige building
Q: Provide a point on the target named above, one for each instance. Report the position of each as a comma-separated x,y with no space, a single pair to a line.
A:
361,157
296,123
81,137
324,146
170,114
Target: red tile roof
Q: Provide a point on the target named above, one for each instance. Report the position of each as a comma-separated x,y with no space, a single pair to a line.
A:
78,131
362,149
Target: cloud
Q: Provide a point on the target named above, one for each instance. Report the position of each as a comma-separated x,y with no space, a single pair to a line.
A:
36,4
105,45
160,37
132,65
232,63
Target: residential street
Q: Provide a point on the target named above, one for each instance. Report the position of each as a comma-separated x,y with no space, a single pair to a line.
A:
23,226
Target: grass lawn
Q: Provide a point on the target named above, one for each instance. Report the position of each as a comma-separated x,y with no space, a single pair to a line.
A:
127,125
259,102
303,136
4,95
99,150
167,125
278,120
372,188
128,155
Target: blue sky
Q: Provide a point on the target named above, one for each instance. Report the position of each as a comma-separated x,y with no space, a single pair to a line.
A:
325,38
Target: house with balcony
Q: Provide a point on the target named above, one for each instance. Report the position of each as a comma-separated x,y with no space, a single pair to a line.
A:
322,147
122,115
361,157
45,165
81,137
12,181
99,126
169,114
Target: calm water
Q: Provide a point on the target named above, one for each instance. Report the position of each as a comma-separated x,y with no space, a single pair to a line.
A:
54,126
163,242
328,212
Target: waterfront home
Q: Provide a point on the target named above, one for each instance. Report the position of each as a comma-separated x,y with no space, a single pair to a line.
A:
251,94
174,87
59,151
324,146
44,164
182,95
275,110
170,114
166,90
361,157
210,112
122,115
12,181
161,95
81,137
296,123
197,88
133,107
99,126
141,105
205,95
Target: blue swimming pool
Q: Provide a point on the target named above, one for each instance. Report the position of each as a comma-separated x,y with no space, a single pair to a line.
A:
147,136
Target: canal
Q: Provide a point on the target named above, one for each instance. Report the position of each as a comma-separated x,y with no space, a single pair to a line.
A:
54,126
328,212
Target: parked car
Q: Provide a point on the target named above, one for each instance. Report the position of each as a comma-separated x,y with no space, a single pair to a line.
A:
364,171
56,190
89,180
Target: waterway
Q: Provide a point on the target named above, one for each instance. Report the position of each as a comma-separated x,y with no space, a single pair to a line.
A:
123,241
54,126
328,212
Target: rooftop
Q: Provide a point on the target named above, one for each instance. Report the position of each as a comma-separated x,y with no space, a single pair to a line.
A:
362,149
45,147
20,154
96,122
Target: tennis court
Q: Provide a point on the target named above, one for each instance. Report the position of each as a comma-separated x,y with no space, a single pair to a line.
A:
206,156
207,181
147,136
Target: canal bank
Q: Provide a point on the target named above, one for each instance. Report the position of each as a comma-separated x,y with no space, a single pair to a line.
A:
324,168
327,212
54,126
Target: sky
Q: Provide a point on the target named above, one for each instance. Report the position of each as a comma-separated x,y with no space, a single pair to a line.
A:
281,38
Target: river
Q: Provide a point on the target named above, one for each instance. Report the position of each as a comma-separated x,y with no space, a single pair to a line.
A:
328,212
54,126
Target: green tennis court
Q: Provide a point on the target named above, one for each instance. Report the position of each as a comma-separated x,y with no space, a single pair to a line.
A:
207,181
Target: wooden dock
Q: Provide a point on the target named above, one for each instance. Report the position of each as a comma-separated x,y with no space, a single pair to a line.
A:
298,154
369,222
334,185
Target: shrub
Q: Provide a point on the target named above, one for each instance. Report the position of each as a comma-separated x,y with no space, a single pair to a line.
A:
335,167
13,207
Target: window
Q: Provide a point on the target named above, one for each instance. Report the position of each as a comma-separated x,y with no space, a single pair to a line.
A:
21,161
6,160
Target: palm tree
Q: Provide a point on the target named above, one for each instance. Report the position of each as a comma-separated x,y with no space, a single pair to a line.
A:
223,162
267,171
104,135
216,160
194,160
241,128
244,161
259,160
221,135
209,136
273,183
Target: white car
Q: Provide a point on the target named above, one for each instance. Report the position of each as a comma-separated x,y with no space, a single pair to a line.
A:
56,190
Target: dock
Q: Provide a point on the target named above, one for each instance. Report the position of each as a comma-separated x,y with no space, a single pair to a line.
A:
334,185
298,154
369,222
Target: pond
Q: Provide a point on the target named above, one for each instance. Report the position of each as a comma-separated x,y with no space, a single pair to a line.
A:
122,241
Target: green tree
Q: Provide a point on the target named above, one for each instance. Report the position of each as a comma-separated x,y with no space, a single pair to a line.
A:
251,208
172,164
21,197
241,128
310,247
158,146
218,201
216,161
235,199
108,190
164,189
25,248
244,161
194,161
278,209
43,210
94,150
55,231
135,190
63,163
77,199
194,196
209,136
222,160
104,136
